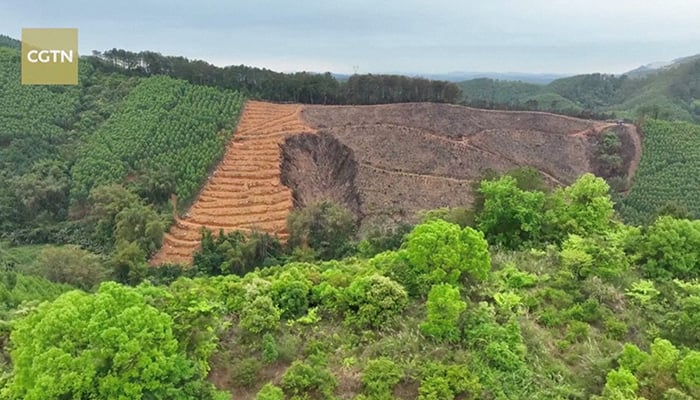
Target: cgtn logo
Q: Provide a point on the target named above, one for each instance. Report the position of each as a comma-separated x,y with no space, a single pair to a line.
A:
47,56
50,56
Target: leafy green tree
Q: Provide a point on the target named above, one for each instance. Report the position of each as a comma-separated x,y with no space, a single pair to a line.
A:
72,265
620,384
108,345
129,263
671,248
45,190
325,227
139,224
374,301
689,373
441,252
583,208
291,293
260,316
444,310
599,256
236,253
511,217
632,357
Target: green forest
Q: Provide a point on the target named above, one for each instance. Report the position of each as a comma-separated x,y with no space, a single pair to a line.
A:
670,94
530,292
543,295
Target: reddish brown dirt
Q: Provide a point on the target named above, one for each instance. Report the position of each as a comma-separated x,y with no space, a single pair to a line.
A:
245,192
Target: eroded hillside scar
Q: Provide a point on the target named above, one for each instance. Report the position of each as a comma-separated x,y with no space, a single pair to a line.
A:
245,191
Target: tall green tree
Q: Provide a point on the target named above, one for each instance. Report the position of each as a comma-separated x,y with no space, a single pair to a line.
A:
110,345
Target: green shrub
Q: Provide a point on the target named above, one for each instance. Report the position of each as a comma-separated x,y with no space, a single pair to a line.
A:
260,316
374,301
380,376
435,388
689,373
72,265
615,329
441,252
291,295
305,379
269,348
270,392
577,331
444,309
325,227
446,381
245,372
631,357
620,384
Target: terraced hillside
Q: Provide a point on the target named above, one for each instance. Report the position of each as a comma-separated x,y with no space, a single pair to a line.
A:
244,192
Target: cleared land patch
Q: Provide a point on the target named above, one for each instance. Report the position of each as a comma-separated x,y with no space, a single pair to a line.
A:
245,191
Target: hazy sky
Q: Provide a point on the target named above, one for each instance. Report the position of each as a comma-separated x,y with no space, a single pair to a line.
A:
407,36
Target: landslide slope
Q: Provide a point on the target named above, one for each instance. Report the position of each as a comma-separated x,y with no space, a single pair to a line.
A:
244,192
402,158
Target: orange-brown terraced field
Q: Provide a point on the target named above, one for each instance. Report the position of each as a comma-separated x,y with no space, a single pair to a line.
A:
245,192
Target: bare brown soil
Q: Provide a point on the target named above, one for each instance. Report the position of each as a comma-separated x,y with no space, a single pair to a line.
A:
245,191
417,156
383,162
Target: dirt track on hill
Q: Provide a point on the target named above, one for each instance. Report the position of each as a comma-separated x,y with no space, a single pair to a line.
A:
244,192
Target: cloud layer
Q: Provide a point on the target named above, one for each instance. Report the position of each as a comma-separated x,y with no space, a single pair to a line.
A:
406,36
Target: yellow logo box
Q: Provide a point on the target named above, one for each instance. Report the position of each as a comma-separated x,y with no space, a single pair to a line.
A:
50,56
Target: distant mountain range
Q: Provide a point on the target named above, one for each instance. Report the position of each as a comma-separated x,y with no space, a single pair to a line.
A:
645,70
667,90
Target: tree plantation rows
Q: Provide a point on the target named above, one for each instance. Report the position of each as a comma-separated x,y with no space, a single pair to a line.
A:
540,295
164,125
669,172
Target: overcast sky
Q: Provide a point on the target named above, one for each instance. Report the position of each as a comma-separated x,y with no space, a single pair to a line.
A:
407,36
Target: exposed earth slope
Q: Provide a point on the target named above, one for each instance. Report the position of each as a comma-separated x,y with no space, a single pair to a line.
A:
383,162
410,157
244,192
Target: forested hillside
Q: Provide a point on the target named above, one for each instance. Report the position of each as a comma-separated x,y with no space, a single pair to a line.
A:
543,295
301,87
530,291
672,93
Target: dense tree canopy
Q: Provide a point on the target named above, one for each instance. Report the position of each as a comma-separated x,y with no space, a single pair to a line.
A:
108,345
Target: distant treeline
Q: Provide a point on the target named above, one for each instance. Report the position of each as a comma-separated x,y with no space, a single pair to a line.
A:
301,87
534,105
